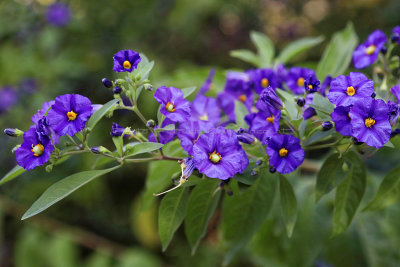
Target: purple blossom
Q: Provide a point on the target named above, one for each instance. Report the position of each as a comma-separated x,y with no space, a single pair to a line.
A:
281,74
69,114
396,92
164,136
237,82
370,122
59,14
308,111
245,136
33,151
346,90
206,111
396,35
285,153
296,78
173,105
393,112
207,84
269,99
188,133
263,78
126,60
40,113
118,130
8,98
341,118
367,52
325,85
264,124
311,84
218,154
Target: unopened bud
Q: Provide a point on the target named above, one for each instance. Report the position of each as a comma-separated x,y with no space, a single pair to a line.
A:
13,132
107,83
150,123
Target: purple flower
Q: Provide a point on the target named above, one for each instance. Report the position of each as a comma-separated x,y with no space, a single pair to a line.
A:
281,73
396,92
33,151
44,131
237,82
118,130
206,111
296,78
218,154
207,84
8,98
367,52
164,136
396,35
341,118
311,84
308,111
59,14
346,90
173,105
245,136
325,85
268,99
264,124
188,133
370,122
69,114
126,60
263,78
285,153
40,113
393,112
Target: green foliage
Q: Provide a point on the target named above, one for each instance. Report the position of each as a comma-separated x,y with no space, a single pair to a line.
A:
62,189
337,55
96,117
188,91
140,148
240,112
297,47
265,48
246,56
12,174
288,204
171,214
202,203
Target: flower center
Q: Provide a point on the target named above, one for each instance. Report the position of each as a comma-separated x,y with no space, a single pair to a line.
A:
204,117
369,122
127,64
370,49
271,119
350,91
71,115
283,152
37,150
242,98
214,157
310,87
264,82
170,107
300,81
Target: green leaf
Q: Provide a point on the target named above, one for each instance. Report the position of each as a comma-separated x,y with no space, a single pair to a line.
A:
12,174
140,148
288,204
144,70
201,206
297,47
96,117
240,112
318,136
337,56
322,104
169,127
188,91
329,176
289,103
265,48
119,144
246,56
171,214
62,189
244,213
349,194
388,192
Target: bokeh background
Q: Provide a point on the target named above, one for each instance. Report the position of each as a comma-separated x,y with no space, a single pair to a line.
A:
49,48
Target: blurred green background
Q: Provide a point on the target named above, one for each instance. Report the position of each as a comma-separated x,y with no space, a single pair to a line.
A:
103,224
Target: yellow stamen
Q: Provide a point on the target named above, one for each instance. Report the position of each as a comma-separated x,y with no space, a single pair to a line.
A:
215,157
370,49
170,107
310,86
350,90
204,117
127,64
264,82
271,119
300,81
283,152
37,150
71,115
369,122
242,98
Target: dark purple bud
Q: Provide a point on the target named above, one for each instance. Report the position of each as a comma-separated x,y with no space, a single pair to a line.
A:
269,96
116,129
327,125
187,167
221,184
259,162
394,38
95,150
272,170
384,50
301,102
254,172
230,192
150,123
245,137
148,87
117,90
107,83
13,132
373,95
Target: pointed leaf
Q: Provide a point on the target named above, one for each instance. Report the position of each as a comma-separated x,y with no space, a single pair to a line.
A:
246,56
188,91
240,112
265,48
201,206
288,204
388,192
96,117
349,194
244,213
297,47
171,214
140,148
329,176
12,174
62,189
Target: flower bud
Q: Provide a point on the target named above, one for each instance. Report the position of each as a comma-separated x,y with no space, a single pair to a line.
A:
148,87
49,168
327,125
188,167
254,172
301,102
99,149
245,137
259,162
230,192
373,95
107,83
394,38
384,50
13,132
117,90
150,123
272,169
